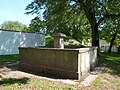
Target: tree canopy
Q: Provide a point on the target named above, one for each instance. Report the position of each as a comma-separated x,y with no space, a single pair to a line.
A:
37,25
110,32
69,22
96,11
13,26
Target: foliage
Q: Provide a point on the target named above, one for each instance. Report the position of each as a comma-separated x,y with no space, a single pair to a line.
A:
109,28
13,26
59,12
36,25
66,21
49,41
71,24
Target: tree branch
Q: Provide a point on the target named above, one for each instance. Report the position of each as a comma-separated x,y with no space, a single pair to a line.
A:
108,16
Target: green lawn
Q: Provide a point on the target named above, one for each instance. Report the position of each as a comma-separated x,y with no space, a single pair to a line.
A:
109,79
4,59
31,84
111,61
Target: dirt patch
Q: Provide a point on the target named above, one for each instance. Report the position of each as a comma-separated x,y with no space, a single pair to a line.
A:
10,71
105,81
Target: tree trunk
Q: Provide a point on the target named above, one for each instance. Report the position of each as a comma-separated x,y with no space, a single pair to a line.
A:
95,36
112,41
94,27
90,14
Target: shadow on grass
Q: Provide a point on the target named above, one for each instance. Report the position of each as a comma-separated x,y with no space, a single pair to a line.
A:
4,59
10,81
111,61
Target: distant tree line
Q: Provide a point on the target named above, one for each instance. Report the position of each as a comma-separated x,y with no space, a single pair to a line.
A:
13,26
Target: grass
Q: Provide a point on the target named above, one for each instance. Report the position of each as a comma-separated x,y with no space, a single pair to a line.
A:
111,61
4,59
109,79
97,82
31,84
10,81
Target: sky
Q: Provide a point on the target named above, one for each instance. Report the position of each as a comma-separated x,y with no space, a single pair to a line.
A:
13,10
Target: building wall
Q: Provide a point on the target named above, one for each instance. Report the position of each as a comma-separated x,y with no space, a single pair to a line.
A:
10,41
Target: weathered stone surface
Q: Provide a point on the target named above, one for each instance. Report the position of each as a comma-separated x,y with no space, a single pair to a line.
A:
62,63
58,40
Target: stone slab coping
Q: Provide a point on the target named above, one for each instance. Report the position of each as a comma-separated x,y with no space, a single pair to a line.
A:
80,50
59,35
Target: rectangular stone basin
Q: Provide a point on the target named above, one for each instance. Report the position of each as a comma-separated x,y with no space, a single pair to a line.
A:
61,63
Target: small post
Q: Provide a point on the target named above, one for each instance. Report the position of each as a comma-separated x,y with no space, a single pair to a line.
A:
119,49
59,40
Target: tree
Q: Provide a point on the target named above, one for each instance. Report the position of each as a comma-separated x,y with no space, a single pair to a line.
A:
70,24
13,26
95,10
110,32
37,25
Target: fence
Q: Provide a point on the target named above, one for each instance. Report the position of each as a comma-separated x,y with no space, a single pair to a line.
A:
11,40
104,46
